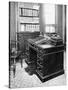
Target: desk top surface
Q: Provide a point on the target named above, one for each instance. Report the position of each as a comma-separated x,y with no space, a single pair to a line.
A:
44,43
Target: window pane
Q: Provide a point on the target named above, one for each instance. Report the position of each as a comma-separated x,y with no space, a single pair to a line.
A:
49,13
47,29
50,29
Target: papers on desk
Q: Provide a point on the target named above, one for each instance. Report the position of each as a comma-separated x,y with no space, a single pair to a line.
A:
45,46
39,41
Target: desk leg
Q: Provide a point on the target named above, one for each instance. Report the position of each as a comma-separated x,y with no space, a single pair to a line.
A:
14,67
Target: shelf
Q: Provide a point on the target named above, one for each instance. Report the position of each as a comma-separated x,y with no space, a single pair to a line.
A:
29,16
29,8
28,12
31,23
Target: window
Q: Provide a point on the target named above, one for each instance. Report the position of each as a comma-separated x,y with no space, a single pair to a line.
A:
49,14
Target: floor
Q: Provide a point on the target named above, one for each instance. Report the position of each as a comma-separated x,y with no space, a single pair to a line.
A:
23,79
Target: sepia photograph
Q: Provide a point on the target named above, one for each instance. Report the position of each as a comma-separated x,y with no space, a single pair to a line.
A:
37,44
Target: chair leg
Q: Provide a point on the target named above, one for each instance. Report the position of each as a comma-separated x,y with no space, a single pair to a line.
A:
14,68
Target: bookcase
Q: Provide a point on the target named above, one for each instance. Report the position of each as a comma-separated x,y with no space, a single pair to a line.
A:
29,19
28,24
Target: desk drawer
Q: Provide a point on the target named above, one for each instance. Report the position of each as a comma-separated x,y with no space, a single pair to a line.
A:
41,63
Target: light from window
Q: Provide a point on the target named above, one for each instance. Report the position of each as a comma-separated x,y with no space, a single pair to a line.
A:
49,17
49,13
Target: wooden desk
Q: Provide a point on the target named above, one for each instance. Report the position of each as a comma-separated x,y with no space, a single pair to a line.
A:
47,62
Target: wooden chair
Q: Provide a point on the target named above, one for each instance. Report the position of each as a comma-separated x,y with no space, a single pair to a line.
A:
14,55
